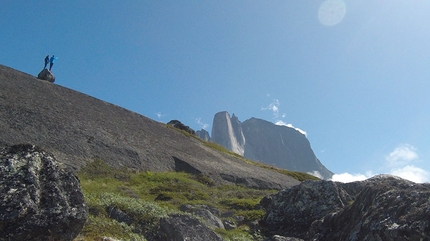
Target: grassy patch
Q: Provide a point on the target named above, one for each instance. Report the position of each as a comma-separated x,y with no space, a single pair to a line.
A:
128,206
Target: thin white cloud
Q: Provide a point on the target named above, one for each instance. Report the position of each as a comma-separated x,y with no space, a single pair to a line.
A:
402,155
202,125
274,107
316,174
397,163
159,115
400,162
412,173
281,123
348,177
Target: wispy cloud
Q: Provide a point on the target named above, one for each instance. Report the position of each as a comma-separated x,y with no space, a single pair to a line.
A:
281,123
398,162
401,162
201,124
316,174
401,155
348,177
274,108
412,173
159,115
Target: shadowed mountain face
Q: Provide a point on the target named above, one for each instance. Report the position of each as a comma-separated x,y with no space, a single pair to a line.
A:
78,128
266,142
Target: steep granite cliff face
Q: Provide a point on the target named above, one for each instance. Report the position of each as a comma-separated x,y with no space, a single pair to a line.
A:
266,142
281,146
227,132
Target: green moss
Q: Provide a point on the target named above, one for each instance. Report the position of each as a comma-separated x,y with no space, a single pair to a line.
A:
143,216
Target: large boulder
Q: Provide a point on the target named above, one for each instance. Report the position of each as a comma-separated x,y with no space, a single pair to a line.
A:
179,227
47,75
291,212
39,199
387,208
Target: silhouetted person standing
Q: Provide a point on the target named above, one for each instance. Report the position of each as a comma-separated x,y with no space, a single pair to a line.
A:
51,61
46,61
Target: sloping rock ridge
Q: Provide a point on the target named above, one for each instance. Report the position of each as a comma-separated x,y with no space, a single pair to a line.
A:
266,142
39,199
384,208
78,128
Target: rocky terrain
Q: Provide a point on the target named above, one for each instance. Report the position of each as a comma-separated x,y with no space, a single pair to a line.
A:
381,208
263,141
119,155
78,128
40,200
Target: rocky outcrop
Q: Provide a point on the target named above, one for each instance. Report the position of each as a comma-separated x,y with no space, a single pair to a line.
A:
387,208
291,212
179,125
384,208
179,227
39,199
203,134
47,75
227,132
263,141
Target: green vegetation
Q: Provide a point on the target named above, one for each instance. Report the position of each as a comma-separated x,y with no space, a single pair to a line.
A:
141,199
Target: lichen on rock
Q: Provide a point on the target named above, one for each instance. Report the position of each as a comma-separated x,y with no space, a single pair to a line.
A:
40,200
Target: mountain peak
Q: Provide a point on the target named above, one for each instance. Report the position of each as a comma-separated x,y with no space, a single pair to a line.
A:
263,141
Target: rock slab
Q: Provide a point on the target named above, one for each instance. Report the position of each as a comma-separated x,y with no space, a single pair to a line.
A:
39,199
179,227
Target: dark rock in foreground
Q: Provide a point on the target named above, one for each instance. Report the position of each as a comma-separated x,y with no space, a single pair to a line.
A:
39,200
47,75
381,208
292,211
178,227
387,208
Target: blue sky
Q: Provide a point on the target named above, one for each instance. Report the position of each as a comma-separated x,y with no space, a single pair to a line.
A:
354,75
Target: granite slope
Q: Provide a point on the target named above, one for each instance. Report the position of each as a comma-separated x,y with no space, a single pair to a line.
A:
78,128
